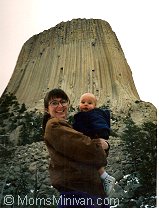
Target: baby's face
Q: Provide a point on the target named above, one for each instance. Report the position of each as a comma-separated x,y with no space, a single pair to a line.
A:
87,102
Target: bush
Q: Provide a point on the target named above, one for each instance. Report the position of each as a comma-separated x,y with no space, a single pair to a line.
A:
141,146
32,128
13,115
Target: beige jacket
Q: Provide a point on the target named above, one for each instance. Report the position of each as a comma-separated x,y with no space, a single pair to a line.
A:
74,159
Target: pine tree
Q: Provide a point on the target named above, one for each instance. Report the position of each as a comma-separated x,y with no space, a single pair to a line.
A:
141,146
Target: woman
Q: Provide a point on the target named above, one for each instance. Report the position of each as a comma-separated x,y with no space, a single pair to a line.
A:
75,158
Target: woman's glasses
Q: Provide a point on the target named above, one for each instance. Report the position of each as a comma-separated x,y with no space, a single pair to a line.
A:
55,103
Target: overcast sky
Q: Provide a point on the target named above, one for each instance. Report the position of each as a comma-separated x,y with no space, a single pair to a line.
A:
135,23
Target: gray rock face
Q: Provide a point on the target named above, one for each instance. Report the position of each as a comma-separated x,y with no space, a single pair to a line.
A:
78,56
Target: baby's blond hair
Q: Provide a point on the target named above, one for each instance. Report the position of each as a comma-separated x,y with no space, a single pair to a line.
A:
90,95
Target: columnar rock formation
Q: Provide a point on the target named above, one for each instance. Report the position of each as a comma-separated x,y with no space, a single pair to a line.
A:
78,56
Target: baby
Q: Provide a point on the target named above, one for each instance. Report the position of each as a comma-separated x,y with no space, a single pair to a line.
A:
95,123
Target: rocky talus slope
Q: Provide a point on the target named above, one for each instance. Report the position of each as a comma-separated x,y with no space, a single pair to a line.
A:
24,168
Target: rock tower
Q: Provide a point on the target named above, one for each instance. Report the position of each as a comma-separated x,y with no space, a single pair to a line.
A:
81,55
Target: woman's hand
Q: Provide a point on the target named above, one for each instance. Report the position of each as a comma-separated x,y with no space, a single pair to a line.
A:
102,142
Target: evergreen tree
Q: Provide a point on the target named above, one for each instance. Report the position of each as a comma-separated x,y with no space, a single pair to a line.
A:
141,147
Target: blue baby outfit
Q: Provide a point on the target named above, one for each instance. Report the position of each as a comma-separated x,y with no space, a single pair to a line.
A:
94,123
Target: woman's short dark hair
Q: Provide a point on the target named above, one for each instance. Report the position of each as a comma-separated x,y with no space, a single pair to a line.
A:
55,93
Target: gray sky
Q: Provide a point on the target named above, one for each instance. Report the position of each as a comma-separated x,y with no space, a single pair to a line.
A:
135,23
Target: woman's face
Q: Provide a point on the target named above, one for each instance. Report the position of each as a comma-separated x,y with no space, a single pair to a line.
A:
58,108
